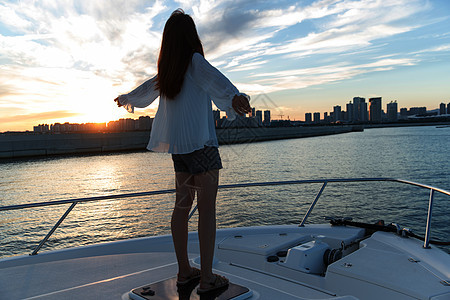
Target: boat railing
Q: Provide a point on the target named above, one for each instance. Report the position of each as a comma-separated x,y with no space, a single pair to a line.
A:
324,183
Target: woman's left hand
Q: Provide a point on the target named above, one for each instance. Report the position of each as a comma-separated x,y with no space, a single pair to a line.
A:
118,102
241,105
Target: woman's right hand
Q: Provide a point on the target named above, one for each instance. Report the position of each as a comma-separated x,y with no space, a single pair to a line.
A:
241,105
118,102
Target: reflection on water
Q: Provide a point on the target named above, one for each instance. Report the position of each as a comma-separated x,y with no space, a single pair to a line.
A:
413,153
102,177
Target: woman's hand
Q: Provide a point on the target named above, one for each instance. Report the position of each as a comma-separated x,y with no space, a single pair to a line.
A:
241,105
118,102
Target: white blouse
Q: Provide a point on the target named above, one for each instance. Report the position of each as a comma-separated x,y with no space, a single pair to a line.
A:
186,123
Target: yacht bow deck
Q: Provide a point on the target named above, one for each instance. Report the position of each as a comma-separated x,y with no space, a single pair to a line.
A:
110,271
275,262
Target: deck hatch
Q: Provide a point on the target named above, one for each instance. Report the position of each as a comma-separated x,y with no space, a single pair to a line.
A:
263,244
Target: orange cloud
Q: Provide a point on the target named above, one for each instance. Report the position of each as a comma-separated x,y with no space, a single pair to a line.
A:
26,121
50,115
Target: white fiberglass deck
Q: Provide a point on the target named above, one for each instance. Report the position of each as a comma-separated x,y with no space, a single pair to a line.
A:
346,260
110,271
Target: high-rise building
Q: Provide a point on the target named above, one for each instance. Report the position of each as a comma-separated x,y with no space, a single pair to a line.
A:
392,111
337,113
267,117
316,118
259,117
308,118
327,117
375,110
364,112
216,114
360,113
253,113
357,108
350,112
448,108
442,110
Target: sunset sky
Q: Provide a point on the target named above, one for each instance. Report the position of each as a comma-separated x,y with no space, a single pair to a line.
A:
65,61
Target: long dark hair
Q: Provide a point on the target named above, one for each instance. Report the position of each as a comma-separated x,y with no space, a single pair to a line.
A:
180,41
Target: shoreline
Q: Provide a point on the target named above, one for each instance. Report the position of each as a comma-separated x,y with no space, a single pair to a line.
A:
46,145
408,124
19,145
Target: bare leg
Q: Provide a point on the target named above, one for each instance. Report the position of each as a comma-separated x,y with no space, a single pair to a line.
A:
179,223
206,185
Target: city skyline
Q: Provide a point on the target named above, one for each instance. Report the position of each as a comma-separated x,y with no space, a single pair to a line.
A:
373,110
66,61
393,113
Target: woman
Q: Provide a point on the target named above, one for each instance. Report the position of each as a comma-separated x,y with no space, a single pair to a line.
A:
184,126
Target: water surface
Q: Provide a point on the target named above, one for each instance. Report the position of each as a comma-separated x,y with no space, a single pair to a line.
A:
413,153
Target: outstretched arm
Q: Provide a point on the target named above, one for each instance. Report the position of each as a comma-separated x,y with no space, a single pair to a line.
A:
224,94
142,96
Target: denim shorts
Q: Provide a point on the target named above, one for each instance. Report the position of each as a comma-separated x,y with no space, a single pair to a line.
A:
199,161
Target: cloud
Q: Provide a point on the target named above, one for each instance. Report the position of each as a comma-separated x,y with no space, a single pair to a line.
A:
120,38
247,66
72,56
50,115
63,55
248,37
324,74
89,35
371,12
440,48
337,40
10,17
29,51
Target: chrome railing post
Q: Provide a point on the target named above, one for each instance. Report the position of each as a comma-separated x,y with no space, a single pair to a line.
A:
53,229
313,204
192,212
426,244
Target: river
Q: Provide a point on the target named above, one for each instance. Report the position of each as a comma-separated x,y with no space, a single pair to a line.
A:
414,153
